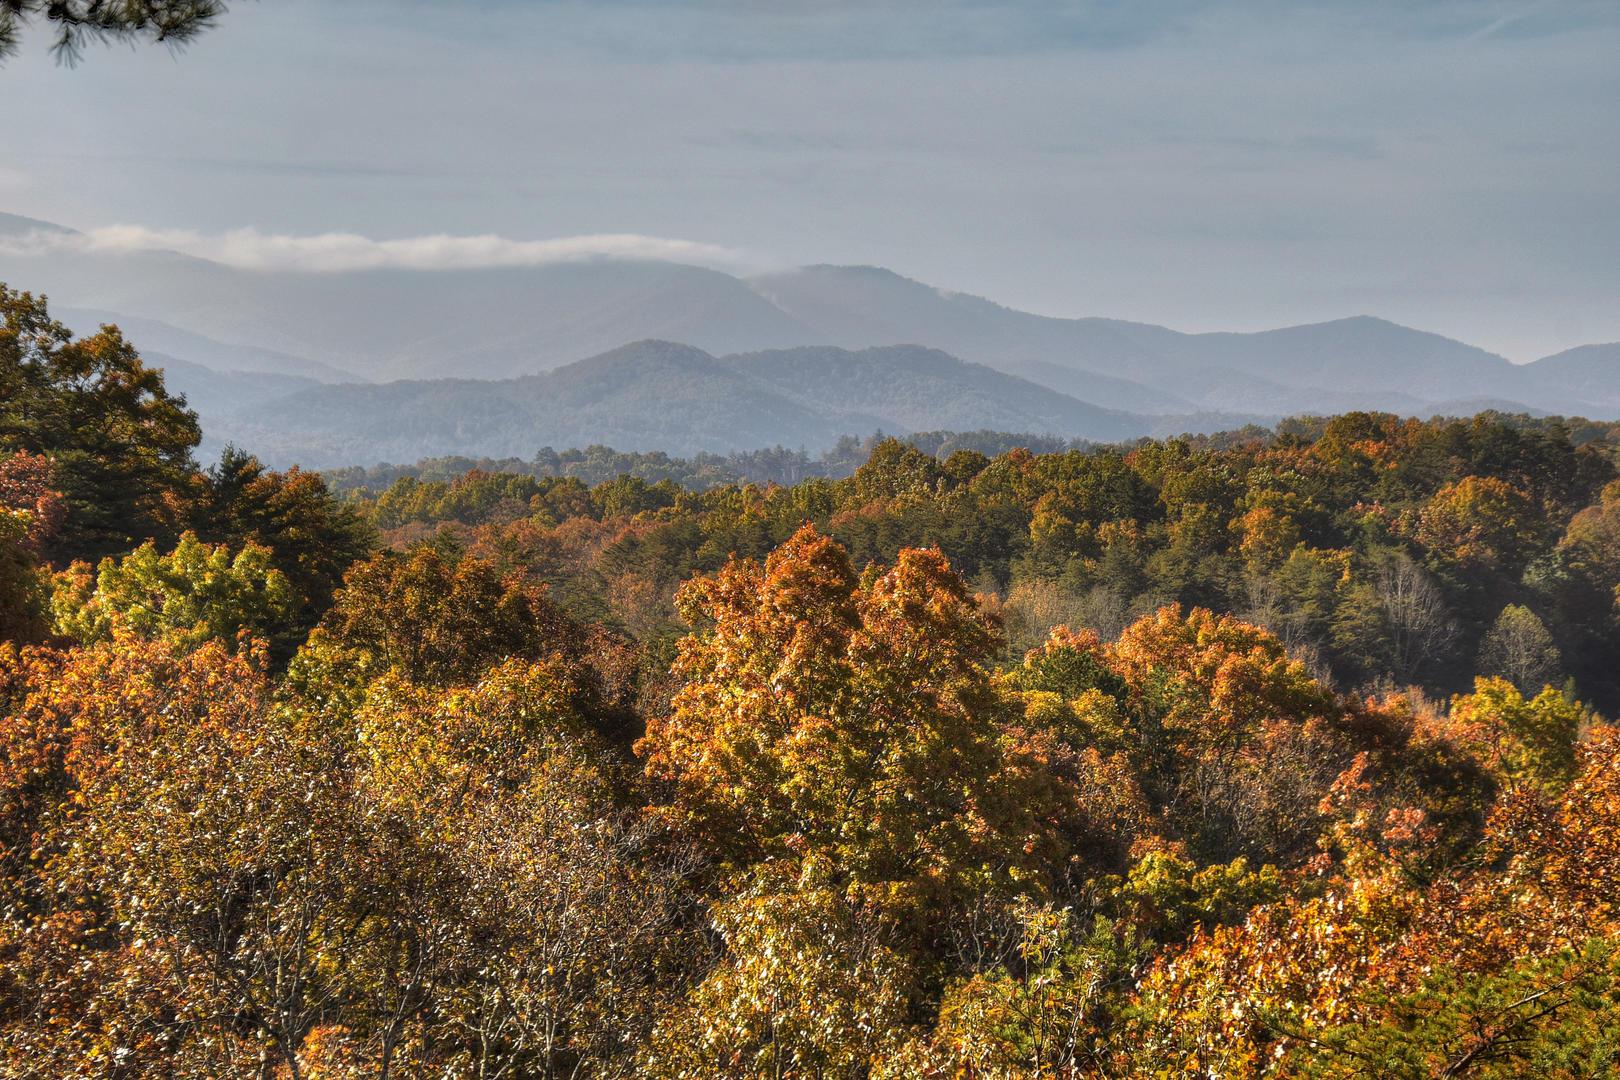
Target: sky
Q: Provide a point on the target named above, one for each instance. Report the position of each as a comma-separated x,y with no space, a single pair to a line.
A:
1208,166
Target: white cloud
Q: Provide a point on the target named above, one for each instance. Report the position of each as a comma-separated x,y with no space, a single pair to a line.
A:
250,249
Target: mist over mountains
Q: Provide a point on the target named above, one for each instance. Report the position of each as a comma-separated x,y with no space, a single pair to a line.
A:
661,395
344,367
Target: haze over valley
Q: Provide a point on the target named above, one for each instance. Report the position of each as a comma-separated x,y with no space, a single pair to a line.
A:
326,368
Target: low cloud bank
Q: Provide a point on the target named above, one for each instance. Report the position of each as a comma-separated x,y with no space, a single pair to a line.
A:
250,249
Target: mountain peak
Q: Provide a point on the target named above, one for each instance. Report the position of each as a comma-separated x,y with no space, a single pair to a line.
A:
642,355
854,275
864,270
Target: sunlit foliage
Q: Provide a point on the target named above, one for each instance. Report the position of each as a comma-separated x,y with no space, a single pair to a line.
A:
1272,755
196,593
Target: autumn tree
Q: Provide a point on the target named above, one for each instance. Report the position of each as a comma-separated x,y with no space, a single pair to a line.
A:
1047,1009
440,618
119,444
30,515
1233,736
1591,547
1483,522
848,724
1501,968
27,486
211,966
521,917
231,882
811,984
22,587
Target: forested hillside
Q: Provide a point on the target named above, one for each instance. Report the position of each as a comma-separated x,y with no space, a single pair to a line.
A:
1281,753
1383,552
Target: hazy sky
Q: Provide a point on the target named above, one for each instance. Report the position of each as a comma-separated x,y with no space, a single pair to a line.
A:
1454,166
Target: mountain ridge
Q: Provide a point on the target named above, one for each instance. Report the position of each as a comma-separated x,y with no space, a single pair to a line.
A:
479,325
662,395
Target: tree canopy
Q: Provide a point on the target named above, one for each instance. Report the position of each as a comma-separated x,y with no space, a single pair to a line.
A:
1275,755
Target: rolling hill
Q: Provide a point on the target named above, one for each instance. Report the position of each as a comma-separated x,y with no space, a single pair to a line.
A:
1359,362
666,396
1587,374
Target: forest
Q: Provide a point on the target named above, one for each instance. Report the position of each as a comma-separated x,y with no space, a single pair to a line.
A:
1276,753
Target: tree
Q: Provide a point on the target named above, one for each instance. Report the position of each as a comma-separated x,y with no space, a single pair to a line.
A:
1569,871
1504,968
1231,735
521,920
77,22
1265,536
1421,629
579,916
1523,741
196,593
809,985
120,445
190,947
22,586
217,884
1482,522
1045,1010
848,725
440,618
27,486
1237,997
313,538
1584,582
1520,649
1590,549
30,514
894,469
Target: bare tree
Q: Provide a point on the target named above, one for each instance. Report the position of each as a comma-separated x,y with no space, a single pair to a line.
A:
1421,628
1520,649
1032,608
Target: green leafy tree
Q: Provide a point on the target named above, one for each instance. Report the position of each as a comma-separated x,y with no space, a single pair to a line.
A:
312,536
196,593
1524,741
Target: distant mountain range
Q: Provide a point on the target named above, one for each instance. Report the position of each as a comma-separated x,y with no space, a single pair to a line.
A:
666,396
330,368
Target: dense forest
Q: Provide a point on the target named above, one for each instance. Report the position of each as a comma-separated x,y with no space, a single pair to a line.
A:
1277,753
779,465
